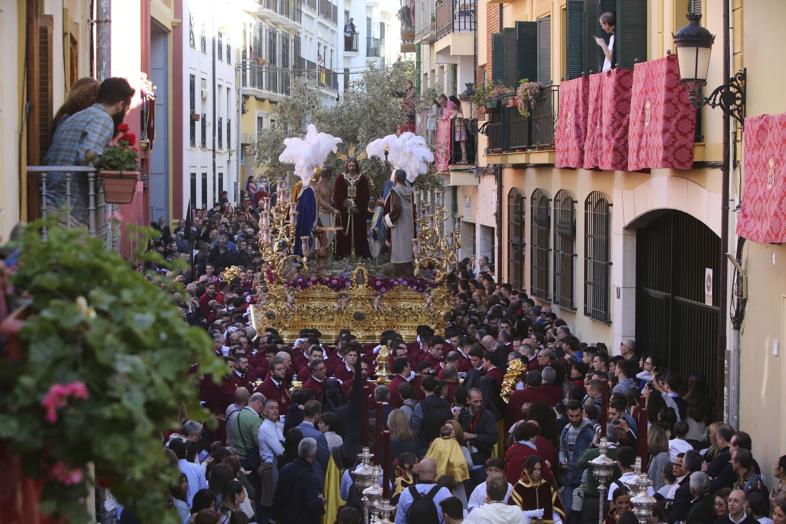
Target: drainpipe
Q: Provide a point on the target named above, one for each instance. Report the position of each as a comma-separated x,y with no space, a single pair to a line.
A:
733,367
737,316
214,123
497,266
103,39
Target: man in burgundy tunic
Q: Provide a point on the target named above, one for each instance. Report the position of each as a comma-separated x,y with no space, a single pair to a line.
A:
274,386
350,197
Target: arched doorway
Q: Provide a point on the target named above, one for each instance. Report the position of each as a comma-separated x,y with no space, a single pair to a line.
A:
676,314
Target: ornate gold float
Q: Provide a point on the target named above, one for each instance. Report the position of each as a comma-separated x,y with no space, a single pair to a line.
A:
356,305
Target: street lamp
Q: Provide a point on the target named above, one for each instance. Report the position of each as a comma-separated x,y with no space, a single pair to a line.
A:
603,469
694,46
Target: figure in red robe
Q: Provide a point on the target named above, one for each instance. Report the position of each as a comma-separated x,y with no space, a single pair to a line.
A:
350,197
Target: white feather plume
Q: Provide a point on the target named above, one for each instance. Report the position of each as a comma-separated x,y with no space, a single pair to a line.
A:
309,152
407,151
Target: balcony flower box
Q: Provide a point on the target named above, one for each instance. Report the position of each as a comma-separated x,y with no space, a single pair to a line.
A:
118,168
119,186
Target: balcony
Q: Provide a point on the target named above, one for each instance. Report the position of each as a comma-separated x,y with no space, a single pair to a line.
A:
80,202
372,47
454,16
328,12
264,80
351,43
425,21
509,132
288,13
448,154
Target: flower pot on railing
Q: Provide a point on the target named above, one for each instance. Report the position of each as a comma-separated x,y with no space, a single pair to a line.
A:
119,186
492,104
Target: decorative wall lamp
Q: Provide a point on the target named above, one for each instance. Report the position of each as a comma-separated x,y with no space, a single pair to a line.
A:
694,46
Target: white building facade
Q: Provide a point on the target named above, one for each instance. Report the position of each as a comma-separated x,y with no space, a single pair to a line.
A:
210,158
370,37
321,47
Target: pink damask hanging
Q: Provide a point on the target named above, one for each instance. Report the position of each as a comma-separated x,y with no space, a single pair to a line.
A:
572,123
763,215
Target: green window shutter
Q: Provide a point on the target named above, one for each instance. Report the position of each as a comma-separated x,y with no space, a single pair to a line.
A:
593,56
526,51
509,39
631,34
574,38
544,50
497,58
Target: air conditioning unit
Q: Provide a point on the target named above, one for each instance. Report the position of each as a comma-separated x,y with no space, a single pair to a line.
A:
204,94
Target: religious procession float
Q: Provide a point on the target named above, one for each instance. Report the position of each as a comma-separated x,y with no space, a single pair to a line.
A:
323,270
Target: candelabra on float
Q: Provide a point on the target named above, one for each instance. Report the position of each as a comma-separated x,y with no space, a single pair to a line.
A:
433,248
367,477
277,235
603,469
640,498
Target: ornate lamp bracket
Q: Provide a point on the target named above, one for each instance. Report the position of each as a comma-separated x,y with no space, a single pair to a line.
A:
730,97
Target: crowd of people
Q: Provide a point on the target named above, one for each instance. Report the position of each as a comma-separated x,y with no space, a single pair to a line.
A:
458,450
461,447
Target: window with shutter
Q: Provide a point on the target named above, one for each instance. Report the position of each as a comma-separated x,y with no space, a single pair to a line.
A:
574,39
541,248
516,239
597,262
564,248
510,74
40,90
497,58
526,56
631,33
593,56
544,50
694,7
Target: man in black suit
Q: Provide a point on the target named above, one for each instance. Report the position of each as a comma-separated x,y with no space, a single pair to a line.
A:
702,507
720,469
738,505
691,463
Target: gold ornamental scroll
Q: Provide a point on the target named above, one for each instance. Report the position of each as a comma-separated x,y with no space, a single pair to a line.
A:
359,308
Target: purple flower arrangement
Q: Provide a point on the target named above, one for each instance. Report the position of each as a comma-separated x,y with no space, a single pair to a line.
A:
380,284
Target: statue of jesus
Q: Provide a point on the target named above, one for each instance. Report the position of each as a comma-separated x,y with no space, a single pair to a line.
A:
350,197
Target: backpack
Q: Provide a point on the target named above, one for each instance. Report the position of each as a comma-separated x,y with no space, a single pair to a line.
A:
423,510
434,416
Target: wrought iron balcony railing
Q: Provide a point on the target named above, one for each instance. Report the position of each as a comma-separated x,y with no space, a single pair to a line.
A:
508,130
372,46
455,16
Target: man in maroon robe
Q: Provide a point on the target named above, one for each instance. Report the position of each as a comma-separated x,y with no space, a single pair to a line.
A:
350,197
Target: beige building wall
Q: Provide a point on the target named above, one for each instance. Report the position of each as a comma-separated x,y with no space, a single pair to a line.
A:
762,371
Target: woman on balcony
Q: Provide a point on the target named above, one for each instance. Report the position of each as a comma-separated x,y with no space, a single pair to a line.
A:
459,131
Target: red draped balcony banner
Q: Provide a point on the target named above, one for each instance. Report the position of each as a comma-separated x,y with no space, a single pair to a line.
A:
442,146
763,215
606,146
662,120
572,123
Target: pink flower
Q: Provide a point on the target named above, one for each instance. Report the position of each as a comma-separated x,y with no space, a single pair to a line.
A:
61,473
57,397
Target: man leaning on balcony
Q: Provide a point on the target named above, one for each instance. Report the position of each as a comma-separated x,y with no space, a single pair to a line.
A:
80,135
349,33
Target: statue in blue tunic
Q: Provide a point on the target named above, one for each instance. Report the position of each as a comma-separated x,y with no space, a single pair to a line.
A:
306,218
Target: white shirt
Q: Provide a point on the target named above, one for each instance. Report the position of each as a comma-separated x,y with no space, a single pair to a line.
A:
677,446
497,513
271,438
606,62
478,496
622,482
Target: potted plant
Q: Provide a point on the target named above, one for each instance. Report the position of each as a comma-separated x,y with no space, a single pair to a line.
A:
497,94
119,366
118,168
527,94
